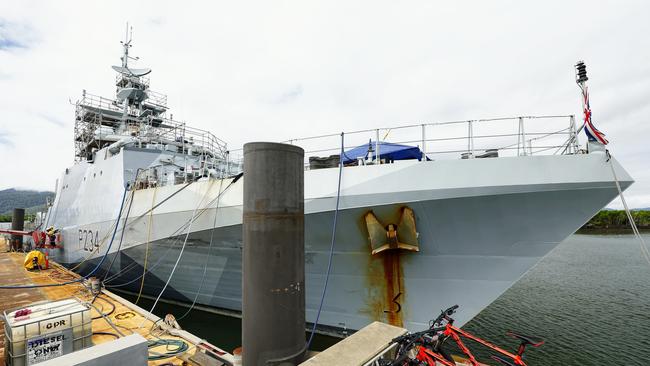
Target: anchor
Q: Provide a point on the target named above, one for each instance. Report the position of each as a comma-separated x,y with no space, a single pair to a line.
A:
390,237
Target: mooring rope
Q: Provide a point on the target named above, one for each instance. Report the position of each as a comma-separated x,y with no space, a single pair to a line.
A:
146,252
119,247
173,243
119,215
635,229
98,245
329,261
207,257
180,255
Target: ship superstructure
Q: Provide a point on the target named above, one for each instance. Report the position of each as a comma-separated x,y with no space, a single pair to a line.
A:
137,117
456,219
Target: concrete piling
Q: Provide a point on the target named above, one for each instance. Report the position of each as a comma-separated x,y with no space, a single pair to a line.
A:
17,223
273,325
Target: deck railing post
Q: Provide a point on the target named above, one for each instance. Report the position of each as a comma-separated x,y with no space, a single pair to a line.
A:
522,136
424,142
377,154
574,135
227,163
470,139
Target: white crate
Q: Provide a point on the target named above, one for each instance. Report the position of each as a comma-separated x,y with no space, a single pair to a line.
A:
46,330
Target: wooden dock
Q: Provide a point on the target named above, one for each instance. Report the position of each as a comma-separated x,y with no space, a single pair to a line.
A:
125,316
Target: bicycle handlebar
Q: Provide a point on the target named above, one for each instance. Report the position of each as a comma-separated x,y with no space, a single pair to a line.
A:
451,310
445,314
416,335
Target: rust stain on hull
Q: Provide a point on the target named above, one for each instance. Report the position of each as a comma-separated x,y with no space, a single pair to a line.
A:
385,290
394,287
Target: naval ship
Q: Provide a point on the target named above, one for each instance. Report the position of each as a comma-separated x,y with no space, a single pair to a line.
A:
431,214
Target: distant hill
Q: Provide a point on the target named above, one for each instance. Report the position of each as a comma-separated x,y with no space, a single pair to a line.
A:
32,201
616,221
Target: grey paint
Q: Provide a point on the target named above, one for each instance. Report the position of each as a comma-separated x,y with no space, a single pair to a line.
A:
482,222
469,255
273,273
129,350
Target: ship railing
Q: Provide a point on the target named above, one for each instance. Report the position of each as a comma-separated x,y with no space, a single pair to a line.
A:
89,100
190,137
465,139
96,101
157,99
123,80
205,155
160,175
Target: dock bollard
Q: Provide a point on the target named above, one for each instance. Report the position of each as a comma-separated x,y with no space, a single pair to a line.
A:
18,224
273,309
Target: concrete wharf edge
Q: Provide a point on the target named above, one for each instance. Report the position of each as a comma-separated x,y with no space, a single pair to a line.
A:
358,348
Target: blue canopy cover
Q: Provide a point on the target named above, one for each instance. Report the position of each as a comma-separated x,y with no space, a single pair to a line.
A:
387,150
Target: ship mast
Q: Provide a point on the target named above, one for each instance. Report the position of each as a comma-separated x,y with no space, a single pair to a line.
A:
137,117
596,139
126,44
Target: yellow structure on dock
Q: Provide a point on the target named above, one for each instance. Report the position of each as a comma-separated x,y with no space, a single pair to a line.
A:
126,318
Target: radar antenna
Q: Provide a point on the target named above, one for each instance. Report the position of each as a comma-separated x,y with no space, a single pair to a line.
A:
126,44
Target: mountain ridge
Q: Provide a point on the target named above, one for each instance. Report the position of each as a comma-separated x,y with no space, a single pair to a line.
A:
30,200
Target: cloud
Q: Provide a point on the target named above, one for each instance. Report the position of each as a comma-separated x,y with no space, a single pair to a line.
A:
5,139
14,36
157,21
289,95
277,71
7,43
51,119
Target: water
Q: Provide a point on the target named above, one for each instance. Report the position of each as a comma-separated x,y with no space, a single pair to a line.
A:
589,300
220,330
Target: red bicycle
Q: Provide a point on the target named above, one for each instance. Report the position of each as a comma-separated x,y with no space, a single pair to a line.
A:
428,345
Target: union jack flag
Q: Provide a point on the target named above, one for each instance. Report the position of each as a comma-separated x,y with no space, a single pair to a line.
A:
592,132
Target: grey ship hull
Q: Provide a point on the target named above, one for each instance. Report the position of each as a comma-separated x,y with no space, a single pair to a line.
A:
472,249
480,222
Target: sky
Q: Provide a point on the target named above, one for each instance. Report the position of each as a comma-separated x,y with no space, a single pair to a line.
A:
275,70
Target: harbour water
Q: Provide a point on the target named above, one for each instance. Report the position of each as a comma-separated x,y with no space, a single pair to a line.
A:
589,300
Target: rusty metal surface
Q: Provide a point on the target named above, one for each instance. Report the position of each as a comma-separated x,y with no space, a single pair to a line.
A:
386,293
126,316
13,273
392,235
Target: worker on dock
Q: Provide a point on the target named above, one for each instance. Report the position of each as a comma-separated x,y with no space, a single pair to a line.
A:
51,234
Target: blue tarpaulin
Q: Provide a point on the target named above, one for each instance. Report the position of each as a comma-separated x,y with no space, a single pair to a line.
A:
387,151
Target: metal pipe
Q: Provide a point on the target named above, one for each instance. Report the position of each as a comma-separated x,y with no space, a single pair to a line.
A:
18,224
273,286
